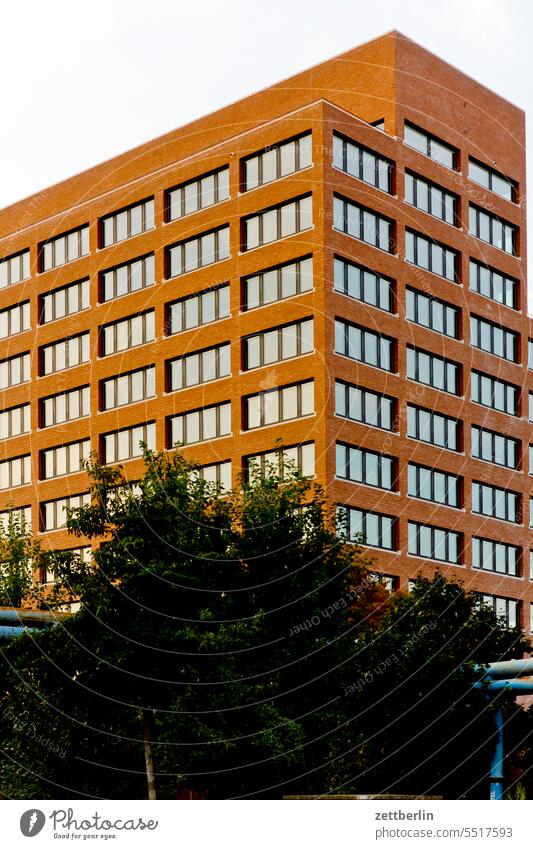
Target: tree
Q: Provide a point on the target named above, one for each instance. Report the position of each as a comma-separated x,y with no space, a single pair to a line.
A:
18,553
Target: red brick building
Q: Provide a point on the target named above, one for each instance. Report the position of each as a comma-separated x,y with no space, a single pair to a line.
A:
338,262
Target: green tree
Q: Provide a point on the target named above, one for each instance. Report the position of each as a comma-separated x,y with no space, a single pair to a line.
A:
18,554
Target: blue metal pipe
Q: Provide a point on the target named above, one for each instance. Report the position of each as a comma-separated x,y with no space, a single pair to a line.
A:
496,767
510,668
9,631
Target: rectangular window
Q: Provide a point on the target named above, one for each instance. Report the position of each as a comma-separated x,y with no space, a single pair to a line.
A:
530,353
14,268
495,447
363,224
216,474
65,406
364,345
433,428
200,425
198,309
494,556
196,194
64,248
495,502
15,319
492,180
493,284
20,516
279,343
489,228
199,367
433,370
198,252
15,472
432,313
433,485
65,459
278,283
15,421
64,354
367,528
362,163
497,394
277,161
129,388
127,333
430,198
365,467
14,371
127,222
64,301
269,225
54,513
433,543
48,573
494,339
431,256
430,146
128,277
504,608
279,405
126,444
365,406
282,463
360,283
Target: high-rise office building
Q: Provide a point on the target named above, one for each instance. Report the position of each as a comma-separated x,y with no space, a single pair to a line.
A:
337,262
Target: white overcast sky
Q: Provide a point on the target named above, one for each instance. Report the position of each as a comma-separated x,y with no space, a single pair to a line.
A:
83,81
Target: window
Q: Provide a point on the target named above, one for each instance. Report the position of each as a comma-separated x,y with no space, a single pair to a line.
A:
276,223
14,320
129,388
65,354
199,367
494,339
125,444
279,343
531,565
362,284
430,146
20,516
14,268
48,573
530,406
361,223
276,284
494,556
127,333
432,256
15,421
497,394
54,513
127,222
200,425
433,485
196,310
198,252
197,194
530,467
280,404
128,277
282,462
366,467
216,474
277,161
531,512
364,345
433,370
388,582
14,370
492,180
495,447
530,353
430,198
65,406
65,459
362,163
365,406
433,428
372,529
15,472
64,248
431,312
489,228
433,543
65,301
493,284
504,608
495,502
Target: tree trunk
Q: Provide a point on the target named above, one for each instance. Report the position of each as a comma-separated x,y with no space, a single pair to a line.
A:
148,726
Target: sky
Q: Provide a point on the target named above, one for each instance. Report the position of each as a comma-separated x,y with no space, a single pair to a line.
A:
83,81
